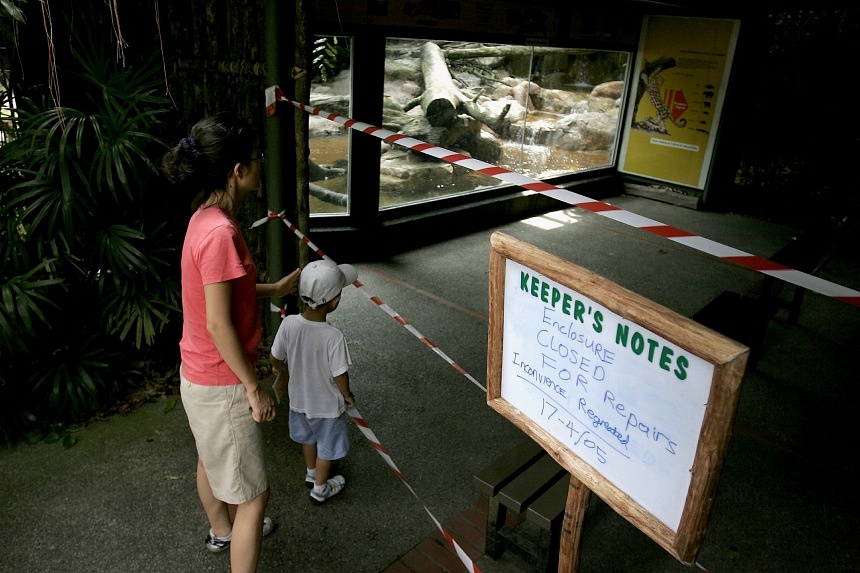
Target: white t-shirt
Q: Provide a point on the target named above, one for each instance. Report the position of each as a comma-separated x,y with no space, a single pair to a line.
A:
315,352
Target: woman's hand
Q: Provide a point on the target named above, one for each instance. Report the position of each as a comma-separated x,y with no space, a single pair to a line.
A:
262,405
288,284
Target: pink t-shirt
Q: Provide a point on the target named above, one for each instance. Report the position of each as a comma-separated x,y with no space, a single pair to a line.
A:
214,251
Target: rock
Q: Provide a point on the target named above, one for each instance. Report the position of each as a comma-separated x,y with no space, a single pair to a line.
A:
612,90
587,132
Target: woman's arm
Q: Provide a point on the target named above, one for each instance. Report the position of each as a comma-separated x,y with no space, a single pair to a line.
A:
220,325
287,285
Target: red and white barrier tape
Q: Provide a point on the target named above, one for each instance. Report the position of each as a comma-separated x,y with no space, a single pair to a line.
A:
380,449
372,297
756,263
371,437
364,427
353,413
655,227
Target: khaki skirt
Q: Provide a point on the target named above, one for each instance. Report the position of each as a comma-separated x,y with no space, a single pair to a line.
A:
229,441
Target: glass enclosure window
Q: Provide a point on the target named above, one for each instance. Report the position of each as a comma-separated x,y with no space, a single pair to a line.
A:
540,111
328,141
544,112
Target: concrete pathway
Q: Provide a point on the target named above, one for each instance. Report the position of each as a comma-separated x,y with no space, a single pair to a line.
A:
123,499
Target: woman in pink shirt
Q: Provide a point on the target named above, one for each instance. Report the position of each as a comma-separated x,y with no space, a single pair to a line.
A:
219,163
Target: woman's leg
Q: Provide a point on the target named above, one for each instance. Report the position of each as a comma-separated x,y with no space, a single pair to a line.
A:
216,510
248,534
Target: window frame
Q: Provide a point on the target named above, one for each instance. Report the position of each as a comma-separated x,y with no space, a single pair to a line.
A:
364,217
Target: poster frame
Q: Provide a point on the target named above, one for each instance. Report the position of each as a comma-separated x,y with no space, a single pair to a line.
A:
665,156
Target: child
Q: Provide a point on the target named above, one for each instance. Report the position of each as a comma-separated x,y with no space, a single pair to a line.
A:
310,358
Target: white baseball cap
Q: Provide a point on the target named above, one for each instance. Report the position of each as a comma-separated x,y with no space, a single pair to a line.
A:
321,281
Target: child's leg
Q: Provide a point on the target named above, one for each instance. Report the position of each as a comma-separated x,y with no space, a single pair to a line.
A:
323,470
333,441
310,453
332,444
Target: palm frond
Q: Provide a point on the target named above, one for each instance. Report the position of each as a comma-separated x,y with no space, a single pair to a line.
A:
22,300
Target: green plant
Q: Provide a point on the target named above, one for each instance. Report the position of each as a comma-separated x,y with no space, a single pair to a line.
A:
10,14
51,435
87,275
329,57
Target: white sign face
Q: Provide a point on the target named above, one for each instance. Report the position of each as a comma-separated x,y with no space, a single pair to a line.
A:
624,400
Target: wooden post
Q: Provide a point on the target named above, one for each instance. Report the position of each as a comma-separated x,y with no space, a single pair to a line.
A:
302,73
571,530
282,246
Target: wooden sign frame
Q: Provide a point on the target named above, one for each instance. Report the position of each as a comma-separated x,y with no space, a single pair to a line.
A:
727,357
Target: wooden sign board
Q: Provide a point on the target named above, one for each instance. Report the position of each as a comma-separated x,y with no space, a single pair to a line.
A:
633,399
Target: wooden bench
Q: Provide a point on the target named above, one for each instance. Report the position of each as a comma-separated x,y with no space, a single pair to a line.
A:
740,317
525,480
807,253
745,317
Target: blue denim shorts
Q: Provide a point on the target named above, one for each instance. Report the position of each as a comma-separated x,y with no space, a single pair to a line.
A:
329,434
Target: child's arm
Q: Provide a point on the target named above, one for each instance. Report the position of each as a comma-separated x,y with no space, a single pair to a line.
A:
342,382
282,377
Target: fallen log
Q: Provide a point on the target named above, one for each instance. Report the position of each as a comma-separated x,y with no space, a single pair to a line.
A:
442,101
504,51
441,98
327,195
497,123
317,172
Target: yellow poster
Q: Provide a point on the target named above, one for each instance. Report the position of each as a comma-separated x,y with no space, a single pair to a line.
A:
681,75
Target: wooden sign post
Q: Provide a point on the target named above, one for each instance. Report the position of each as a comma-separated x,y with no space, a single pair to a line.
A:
633,399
